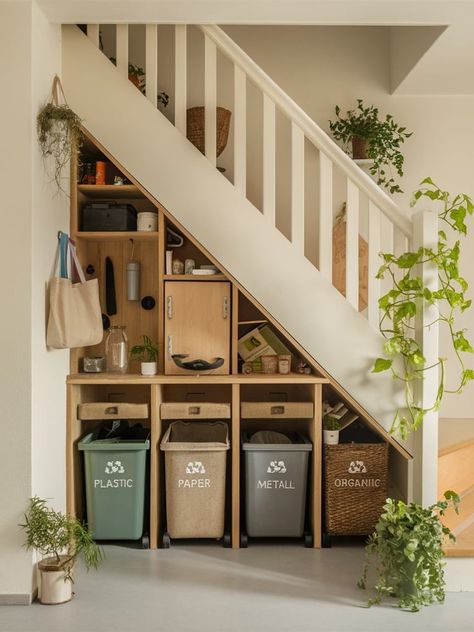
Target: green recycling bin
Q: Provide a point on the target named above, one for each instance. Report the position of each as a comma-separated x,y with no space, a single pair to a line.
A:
115,476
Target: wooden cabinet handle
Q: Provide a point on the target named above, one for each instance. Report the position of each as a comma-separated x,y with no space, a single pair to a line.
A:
169,307
277,410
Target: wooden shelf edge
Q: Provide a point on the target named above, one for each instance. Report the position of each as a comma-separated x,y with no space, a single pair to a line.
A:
138,235
195,277
133,378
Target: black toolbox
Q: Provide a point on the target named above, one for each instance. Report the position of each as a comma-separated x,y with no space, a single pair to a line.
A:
105,216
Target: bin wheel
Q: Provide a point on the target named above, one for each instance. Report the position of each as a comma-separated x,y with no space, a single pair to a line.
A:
308,540
244,541
326,541
227,541
166,541
145,541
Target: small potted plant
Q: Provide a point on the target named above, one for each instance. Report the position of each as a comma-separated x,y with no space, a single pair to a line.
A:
372,138
408,548
60,539
331,427
147,354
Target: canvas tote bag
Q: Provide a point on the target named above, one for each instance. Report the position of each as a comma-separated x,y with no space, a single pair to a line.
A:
75,317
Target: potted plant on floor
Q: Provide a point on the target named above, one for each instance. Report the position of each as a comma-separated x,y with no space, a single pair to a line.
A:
408,548
147,354
60,539
374,139
331,428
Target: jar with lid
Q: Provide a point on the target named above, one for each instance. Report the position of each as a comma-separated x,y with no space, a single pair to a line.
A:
116,349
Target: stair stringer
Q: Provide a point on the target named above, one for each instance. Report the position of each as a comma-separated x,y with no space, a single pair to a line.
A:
256,254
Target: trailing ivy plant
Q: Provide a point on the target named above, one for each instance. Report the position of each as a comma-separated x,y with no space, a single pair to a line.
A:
409,295
59,132
382,137
407,550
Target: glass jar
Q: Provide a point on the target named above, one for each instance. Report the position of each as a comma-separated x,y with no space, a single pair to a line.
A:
116,349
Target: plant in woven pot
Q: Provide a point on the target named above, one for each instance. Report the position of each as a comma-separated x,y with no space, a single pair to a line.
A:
331,428
60,539
147,354
372,138
195,128
407,550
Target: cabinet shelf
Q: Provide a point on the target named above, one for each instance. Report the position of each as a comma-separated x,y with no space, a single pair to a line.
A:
203,378
194,277
117,235
110,191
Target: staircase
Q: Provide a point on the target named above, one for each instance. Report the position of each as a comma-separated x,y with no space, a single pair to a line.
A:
244,240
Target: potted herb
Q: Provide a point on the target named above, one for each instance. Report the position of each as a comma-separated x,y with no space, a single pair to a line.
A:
331,428
372,138
59,132
147,354
408,548
60,539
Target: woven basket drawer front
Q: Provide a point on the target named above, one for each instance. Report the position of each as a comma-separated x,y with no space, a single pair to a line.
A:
355,487
194,410
112,410
276,410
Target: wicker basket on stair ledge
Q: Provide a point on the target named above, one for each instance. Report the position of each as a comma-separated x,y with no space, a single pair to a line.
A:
195,128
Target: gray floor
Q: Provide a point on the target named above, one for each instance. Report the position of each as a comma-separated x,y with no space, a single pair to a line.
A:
207,588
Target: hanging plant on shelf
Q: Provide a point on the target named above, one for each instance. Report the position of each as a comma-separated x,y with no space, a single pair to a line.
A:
59,132
372,138
409,295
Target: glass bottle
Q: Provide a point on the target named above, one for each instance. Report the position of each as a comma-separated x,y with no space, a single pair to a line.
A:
116,349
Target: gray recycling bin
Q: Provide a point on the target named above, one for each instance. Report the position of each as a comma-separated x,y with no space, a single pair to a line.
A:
115,474
275,484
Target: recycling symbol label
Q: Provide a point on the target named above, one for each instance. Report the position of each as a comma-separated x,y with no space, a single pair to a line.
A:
195,467
114,467
276,467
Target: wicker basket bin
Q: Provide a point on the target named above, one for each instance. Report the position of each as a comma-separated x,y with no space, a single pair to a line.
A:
355,486
195,128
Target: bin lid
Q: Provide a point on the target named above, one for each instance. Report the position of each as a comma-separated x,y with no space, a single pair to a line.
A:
299,443
210,436
90,443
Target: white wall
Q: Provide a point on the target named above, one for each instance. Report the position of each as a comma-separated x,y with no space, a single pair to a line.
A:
31,380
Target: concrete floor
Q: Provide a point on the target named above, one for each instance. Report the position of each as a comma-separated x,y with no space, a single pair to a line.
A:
205,588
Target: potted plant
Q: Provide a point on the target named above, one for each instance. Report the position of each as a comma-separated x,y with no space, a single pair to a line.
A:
136,75
60,539
331,427
147,354
372,138
408,547
59,132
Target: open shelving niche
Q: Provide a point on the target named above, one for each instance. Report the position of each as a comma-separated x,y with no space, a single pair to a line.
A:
233,388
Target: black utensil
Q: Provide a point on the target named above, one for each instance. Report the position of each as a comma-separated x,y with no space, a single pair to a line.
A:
110,299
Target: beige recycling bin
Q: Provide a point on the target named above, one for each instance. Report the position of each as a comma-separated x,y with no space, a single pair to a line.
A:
195,471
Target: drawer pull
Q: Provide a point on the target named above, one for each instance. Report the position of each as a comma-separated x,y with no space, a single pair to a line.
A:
194,410
111,410
169,307
277,410
225,307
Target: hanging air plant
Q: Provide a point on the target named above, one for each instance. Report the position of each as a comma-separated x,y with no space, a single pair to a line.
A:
59,132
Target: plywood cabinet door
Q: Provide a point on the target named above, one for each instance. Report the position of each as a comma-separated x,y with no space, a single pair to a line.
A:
197,323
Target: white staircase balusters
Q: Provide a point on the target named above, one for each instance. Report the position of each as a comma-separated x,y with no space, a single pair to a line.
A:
352,244
325,216
240,130
151,63
180,77
269,160
373,290
122,49
93,34
210,98
297,187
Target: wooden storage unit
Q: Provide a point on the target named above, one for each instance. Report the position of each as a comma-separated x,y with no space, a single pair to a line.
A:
198,327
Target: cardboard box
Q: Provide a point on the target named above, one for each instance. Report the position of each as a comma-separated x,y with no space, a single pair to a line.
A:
260,341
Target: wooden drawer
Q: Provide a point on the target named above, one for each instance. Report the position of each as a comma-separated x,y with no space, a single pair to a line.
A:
276,410
194,410
112,410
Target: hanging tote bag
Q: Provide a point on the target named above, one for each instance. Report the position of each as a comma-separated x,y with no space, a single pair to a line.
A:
75,318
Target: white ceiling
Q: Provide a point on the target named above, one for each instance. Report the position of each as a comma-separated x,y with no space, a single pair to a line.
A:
436,57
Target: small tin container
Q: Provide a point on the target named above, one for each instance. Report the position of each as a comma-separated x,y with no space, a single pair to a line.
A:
93,364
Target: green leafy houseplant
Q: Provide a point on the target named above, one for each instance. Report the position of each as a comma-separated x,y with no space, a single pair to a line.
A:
409,295
59,133
372,138
59,538
147,352
407,546
331,423
137,76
